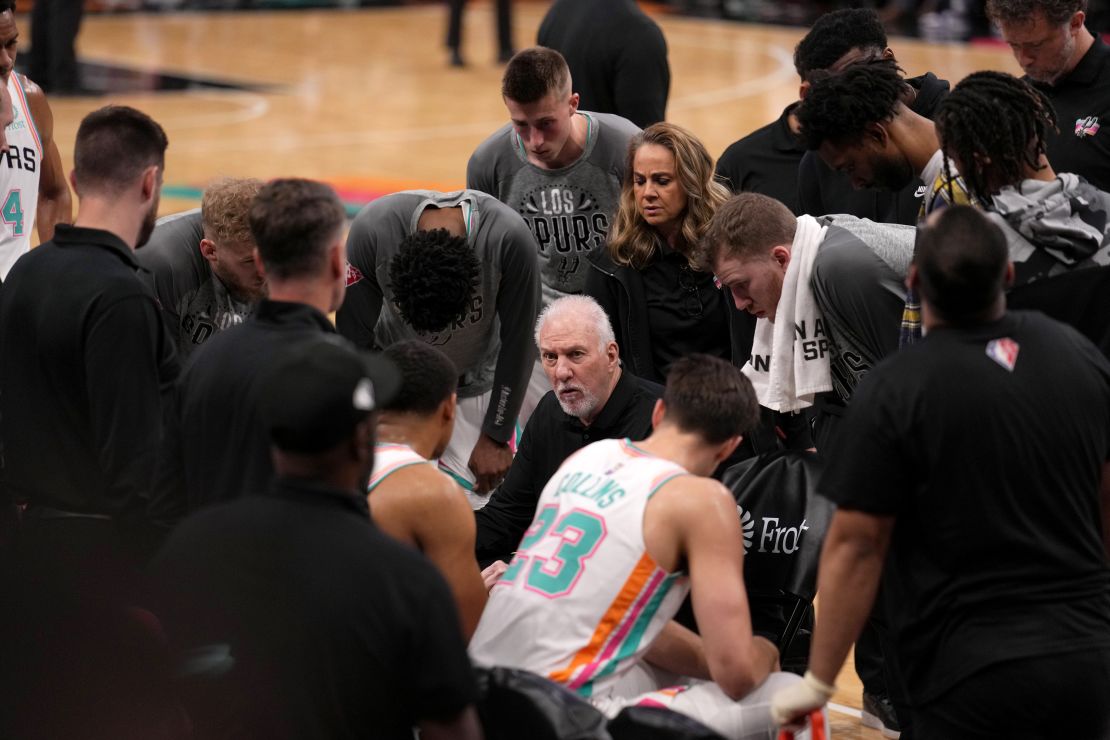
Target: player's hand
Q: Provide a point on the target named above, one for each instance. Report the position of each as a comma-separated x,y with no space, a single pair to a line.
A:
492,574
791,706
489,461
769,650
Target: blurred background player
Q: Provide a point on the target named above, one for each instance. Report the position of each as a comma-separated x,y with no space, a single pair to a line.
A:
617,56
32,179
504,31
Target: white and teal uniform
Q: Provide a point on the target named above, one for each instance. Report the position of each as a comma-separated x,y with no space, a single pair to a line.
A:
389,457
582,599
20,169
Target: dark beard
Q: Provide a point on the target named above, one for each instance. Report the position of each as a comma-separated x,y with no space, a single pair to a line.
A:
892,174
148,225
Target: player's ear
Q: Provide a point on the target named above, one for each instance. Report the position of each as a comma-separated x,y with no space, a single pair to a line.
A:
448,407
658,413
728,447
73,182
208,249
259,264
1009,279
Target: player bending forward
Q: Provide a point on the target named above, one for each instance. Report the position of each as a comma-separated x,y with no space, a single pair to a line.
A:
622,533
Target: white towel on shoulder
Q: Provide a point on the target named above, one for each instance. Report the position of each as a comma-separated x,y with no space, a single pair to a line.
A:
790,358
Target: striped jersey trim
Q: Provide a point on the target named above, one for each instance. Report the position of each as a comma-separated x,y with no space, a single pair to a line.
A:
631,643
615,625
27,112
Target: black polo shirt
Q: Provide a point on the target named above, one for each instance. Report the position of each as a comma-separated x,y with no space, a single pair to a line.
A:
1082,103
297,618
217,446
766,161
84,358
550,437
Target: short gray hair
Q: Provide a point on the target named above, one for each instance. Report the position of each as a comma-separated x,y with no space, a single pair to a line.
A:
584,306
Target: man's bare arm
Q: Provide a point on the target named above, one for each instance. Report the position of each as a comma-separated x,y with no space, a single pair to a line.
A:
55,204
444,529
848,579
694,520
679,650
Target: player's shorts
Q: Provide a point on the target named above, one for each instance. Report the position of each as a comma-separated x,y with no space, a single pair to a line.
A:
747,719
469,415
455,460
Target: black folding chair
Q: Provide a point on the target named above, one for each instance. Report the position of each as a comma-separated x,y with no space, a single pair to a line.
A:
656,723
516,704
784,522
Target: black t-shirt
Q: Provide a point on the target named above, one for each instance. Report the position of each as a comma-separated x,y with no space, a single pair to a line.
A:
1082,103
993,477
617,57
766,161
297,618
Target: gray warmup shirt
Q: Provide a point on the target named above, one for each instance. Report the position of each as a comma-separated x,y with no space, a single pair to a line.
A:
194,301
492,345
858,281
569,209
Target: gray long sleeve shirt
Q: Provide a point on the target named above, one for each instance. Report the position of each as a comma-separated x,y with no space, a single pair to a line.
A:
569,209
491,346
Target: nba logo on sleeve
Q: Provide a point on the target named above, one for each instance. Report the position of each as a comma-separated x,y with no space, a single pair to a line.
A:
1003,351
354,275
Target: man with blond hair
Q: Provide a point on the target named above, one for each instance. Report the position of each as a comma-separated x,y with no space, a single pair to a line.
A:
203,264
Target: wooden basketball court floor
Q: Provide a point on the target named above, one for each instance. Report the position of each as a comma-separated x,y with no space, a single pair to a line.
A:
364,99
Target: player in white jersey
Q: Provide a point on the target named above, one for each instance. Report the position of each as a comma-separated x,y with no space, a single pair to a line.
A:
622,533
33,188
410,498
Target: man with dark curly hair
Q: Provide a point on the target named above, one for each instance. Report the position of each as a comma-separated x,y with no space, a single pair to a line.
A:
859,125
766,161
458,271
1072,67
835,42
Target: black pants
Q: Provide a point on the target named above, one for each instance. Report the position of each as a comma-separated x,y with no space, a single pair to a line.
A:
504,25
1045,698
54,26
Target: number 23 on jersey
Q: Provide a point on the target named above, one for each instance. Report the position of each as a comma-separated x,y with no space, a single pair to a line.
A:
579,533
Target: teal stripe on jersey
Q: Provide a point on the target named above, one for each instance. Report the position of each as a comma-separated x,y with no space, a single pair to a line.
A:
662,483
463,482
632,641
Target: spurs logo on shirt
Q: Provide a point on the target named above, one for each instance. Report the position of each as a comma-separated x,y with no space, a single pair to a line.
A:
565,219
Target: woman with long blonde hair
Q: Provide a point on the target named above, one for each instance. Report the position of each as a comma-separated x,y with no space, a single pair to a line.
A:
647,277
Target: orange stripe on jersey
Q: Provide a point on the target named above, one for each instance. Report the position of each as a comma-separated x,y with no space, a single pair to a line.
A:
612,619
